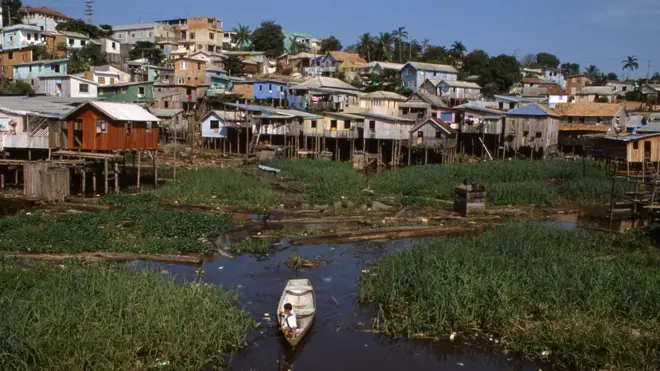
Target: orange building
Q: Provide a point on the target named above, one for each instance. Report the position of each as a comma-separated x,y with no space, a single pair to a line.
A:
189,72
10,58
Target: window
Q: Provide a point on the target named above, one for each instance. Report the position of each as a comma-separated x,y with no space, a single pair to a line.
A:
56,68
179,81
635,145
209,48
192,36
29,36
128,128
84,88
112,81
114,46
120,36
30,68
124,90
148,128
11,55
434,115
581,120
420,134
525,133
11,38
215,124
133,34
539,134
625,88
166,104
501,105
70,42
141,91
184,65
101,126
199,66
570,120
82,42
372,125
77,125
261,88
270,87
333,124
149,34
313,124
101,80
347,124
512,105
58,87
183,35
211,35
438,134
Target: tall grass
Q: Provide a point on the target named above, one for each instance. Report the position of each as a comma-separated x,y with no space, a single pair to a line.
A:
136,228
325,181
218,186
105,317
573,294
508,182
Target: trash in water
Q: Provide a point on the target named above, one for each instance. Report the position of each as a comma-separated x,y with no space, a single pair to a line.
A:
452,336
220,268
460,364
327,279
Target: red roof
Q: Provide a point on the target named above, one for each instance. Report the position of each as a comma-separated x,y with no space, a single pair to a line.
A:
45,11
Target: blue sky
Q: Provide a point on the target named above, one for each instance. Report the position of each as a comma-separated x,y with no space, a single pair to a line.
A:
600,32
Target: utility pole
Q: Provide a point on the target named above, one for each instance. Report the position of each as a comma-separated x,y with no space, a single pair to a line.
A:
648,72
89,10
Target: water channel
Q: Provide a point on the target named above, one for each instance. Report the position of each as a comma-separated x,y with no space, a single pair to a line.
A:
336,340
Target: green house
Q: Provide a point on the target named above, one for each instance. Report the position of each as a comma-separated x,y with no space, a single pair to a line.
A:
132,92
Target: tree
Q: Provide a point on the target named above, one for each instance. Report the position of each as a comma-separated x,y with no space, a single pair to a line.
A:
612,76
570,69
365,46
330,44
80,26
385,42
105,30
388,81
12,12
475,63
547,60
16,87
592,72
147,49
436,54
269,39
400,35
501,73
630,64
88,55
297,46
40,53
425,44
602,100
529,61
242,35
457,49
655,77
234,66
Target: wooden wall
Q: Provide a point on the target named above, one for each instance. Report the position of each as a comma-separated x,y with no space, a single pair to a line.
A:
115,138
42,181
536,132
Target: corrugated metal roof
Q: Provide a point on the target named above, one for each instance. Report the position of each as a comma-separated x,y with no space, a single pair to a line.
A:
45,61
345,116
461,84
585,127
383,95
323,82
433,67
21,27
386,117
415,105
653,127
631,137
120,111
438,124
74,34
430,98
33,106
164,112
137,26
596,90
532,110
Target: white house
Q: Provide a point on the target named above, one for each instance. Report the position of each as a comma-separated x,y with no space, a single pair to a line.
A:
43,17
75,40
68,86
110,47
20,36
107,75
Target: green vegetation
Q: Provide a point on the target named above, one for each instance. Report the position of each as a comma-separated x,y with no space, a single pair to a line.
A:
107,317
218,186
258,246
325,181
507,182
132,228
577,299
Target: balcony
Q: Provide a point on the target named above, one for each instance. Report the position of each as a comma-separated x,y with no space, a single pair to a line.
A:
342,134
23,141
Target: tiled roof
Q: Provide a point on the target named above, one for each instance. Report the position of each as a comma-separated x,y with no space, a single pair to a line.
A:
433,67
45,11
584,127
532,110
588,109
348,57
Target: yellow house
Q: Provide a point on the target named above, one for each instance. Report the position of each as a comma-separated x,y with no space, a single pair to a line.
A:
379,102
334,125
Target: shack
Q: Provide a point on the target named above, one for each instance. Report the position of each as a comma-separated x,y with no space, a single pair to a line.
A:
436,136
533,128
334,131
173,124
385,135
481,128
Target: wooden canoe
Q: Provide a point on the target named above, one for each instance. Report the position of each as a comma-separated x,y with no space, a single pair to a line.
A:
269,169
300,294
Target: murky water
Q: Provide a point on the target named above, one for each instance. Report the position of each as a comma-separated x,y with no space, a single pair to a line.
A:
335,341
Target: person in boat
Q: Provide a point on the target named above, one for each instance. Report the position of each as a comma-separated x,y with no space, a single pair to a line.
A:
289,325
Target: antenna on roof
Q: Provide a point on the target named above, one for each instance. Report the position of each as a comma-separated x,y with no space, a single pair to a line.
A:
89,10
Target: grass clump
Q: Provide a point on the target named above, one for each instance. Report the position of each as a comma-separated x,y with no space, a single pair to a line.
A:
572,298
218,186
107,317
507,182
134,228
258,246
325,181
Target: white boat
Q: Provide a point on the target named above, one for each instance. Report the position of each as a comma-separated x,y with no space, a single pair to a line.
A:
269,169
300,294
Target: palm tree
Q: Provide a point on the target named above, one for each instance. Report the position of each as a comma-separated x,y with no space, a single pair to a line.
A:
400,35
410,46
365,44
425,44
630,64
457,48
592,72
242,35
385,42
296,47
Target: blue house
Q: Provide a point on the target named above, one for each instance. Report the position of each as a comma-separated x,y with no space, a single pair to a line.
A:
32,70
20,36
555,75
213,125
270,91
413,74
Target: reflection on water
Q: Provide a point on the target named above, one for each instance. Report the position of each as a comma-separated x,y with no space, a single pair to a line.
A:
334,341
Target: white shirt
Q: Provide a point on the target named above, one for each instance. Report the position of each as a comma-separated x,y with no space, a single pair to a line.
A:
291,320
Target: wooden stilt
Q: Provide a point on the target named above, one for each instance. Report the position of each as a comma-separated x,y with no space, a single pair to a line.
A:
139,159
409,152
116,177
155,168
83,182
94,173
337,149
426,156
105,174
2,182
30,155
16,176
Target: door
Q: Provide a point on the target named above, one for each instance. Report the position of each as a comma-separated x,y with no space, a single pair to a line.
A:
647,150
77,134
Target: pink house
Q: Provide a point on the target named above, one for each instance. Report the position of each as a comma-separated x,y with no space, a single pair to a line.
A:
596,94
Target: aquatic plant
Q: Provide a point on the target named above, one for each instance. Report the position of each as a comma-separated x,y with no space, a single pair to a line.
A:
218,186
325,181
252,245
108,317
572,298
